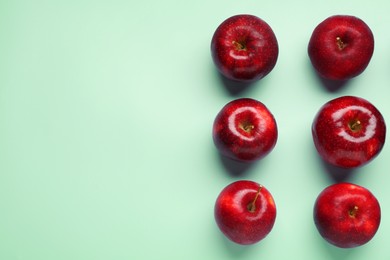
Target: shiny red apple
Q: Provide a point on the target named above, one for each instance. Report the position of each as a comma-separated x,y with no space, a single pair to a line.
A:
341,47
348,132
245,130
347,215
245,212
244,48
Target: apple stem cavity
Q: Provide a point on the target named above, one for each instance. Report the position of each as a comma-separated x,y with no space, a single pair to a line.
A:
252,205
240,45
352,212
340,43
355,125
247,127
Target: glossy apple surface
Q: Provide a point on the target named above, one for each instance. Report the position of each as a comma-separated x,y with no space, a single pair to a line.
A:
341,47
347,215
245,130
348,132
245,212
244,48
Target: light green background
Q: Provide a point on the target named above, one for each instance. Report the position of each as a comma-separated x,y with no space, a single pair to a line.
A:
106,109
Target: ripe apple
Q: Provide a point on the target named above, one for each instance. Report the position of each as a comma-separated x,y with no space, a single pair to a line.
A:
348,132
341,47
347,215
245,130
244,48
245,212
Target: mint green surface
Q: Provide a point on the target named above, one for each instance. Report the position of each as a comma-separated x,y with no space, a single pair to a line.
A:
106,109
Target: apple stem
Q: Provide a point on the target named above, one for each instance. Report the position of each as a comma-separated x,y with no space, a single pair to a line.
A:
355,125
352,213
340,43
252,206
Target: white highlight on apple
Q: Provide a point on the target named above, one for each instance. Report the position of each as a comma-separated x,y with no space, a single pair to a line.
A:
232,122
370,129
238,57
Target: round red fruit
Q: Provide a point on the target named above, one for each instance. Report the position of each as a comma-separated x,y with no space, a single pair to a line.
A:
341,47
347,215
245,212
245,130
244,48
348,132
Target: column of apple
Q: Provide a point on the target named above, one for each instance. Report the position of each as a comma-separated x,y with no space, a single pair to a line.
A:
348,131
244,48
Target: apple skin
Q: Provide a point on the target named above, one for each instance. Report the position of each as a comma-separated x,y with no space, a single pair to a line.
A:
245,130
348,132
244,48
245,212
341,47
347,215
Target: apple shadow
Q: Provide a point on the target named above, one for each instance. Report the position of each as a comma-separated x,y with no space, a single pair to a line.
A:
235,88
337,174
235,168
334,173
328,84
332,85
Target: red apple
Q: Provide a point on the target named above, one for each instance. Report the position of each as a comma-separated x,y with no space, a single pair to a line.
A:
347,215
348,132
245,130
244,48
245,212
341,47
